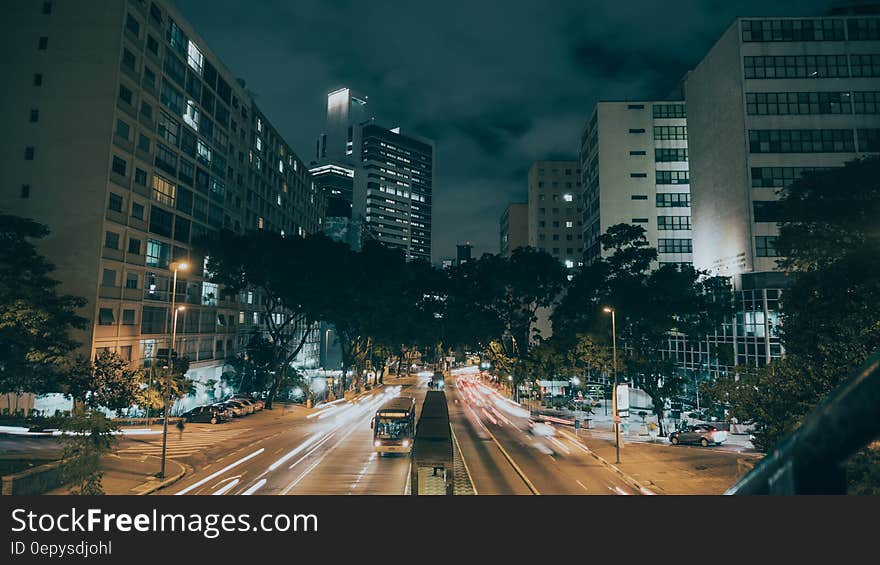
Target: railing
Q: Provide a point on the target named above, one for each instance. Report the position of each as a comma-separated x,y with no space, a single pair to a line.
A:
810,460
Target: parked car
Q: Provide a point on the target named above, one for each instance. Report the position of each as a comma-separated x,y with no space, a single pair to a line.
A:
257,403
248,404
703,434
206,414
237,408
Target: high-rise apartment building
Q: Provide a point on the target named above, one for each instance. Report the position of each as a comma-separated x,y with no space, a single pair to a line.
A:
634,162
772,99
129,138
393,189
555,211
513,228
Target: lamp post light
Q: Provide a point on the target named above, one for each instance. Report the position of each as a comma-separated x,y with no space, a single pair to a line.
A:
609,310
174,310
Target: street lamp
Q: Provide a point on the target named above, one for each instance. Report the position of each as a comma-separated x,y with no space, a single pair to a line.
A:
609,310
512,389
174,310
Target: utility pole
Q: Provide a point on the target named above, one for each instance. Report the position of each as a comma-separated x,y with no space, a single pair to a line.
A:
614,392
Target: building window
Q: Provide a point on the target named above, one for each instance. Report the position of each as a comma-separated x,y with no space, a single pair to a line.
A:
25,191
158,254
674,245
865,65
637,130
43,43
143,143
119,165
38,79
153,44
115,202
869,140
792,30
105,317
639,197
122,129
779,177
129,61
765,246
569,224
140,176
108,279
801,141
799,66
29,153
134,246
131,280
195,57
766,211
171,98
638,175
128,320
160,221
125,94
635,107
797,103
639,221
35,115
137,210
568,197
673,223
111,240
674,200
168,129
672,177
635,154
670,132
670,111
866,102
132,25
666,155
166,159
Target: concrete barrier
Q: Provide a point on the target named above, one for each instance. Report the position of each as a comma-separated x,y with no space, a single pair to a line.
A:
35,480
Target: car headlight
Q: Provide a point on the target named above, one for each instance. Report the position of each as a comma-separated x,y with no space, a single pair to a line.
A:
405,443
378,443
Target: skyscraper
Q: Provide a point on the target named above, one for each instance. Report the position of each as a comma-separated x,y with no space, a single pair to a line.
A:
129,138
772,99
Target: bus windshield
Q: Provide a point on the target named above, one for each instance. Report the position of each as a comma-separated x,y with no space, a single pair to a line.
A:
392,428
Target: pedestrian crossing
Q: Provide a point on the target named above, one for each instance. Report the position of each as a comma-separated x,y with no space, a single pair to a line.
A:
191,441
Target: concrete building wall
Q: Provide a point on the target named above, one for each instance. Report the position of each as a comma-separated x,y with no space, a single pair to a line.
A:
555,214
514,228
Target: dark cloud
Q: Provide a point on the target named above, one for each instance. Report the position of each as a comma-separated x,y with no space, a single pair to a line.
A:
497,84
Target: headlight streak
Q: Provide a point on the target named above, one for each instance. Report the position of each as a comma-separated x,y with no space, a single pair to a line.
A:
254,488
220,472
226,488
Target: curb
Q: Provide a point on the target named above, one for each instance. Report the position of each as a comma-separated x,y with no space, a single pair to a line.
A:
628,479
163,484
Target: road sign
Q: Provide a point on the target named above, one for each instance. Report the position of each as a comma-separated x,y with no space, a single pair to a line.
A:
577,424
623,399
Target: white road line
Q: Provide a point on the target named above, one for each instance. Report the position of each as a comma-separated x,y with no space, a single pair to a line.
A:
312,450
582,485
226,488
221,471
257,486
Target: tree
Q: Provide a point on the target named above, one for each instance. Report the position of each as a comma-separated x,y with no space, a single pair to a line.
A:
87,436
107,382
252,370
287,274
35,321
830,249
161,382
589,357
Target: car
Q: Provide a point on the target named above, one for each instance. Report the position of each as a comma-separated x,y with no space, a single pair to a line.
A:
206,414
258,404
703,434
249,405
237,408
541,429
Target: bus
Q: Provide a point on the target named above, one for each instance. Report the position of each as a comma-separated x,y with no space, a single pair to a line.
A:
394,426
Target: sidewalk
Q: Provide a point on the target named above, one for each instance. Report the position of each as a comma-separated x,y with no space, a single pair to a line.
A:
133,475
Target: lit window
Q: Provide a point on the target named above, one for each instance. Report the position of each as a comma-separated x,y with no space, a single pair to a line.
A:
569,224
569,264
195,57
192,116
568,198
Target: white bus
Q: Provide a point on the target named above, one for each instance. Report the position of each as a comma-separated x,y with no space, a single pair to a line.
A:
394,426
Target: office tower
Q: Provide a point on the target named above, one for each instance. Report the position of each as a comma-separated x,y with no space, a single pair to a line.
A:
463,253
513,228
555,212
772,99
393,189
129,138
634,158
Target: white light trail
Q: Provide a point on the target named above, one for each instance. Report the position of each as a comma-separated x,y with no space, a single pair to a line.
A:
221,471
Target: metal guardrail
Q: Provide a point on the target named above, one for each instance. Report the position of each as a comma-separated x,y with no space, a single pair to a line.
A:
810,459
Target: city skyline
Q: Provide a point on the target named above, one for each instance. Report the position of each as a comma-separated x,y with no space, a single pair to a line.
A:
492,105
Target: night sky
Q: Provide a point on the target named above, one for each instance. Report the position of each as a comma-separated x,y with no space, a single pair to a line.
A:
497,85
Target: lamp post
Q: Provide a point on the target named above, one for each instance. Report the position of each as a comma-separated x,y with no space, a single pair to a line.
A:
609,310
174,309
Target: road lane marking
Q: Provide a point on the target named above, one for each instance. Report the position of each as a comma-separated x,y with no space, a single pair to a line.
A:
226,488
221,471
516,468
582,485
257,486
